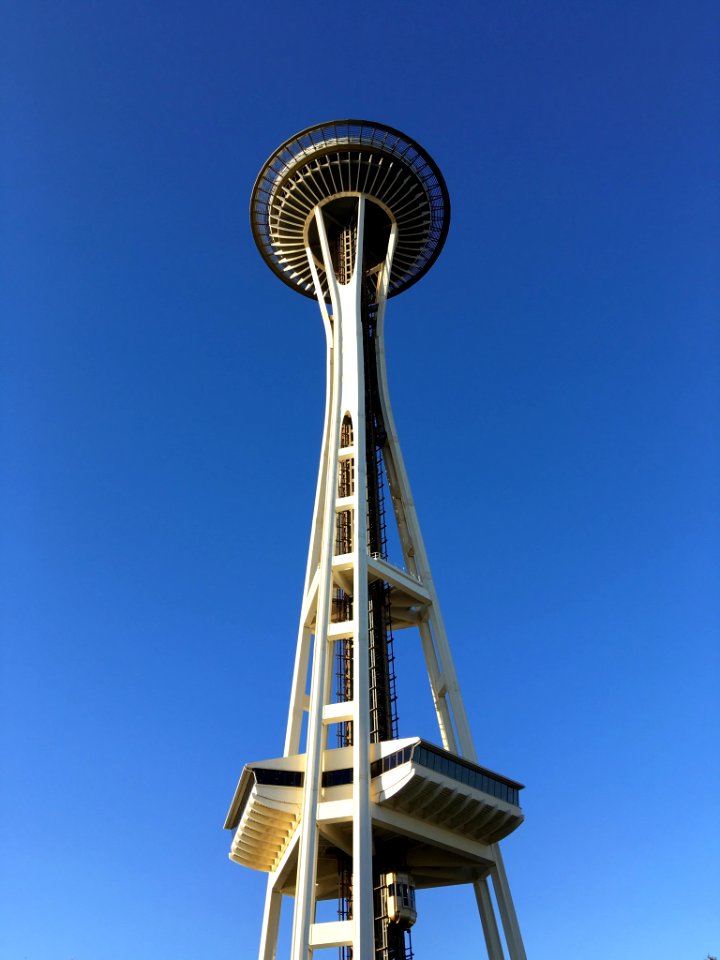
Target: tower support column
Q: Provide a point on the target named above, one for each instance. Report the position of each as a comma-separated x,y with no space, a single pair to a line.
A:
307,855
507,908
346,399
271,921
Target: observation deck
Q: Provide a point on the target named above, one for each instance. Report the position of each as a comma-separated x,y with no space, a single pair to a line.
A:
442,810
330,163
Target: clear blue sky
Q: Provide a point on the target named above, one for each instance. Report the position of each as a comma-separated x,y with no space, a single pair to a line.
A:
555,382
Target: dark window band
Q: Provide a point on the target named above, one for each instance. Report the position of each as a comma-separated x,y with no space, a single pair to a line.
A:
421,753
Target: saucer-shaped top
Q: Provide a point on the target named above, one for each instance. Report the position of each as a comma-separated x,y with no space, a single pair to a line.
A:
344,158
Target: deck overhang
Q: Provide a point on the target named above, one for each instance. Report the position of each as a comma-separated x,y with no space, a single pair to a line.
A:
443,811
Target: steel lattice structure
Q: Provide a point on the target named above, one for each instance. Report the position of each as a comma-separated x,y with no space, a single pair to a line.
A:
351,213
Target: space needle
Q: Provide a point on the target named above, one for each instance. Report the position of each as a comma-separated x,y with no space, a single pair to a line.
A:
353,819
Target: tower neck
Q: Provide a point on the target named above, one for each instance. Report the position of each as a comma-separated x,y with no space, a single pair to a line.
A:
358,291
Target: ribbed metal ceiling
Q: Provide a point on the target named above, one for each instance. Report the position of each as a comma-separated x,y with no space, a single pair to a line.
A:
349,157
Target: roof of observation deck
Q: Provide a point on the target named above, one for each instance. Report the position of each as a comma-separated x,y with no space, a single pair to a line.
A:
344,157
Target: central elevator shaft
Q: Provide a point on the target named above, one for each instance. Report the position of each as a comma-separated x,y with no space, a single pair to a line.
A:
392,940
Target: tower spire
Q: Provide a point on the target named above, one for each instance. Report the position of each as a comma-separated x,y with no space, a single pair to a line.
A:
352,213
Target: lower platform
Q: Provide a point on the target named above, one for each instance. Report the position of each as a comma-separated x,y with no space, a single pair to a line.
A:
438,812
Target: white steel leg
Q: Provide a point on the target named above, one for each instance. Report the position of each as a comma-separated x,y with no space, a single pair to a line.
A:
506,907
307,856
487,917
271,921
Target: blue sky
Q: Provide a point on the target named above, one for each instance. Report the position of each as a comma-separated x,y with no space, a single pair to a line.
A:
555,383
